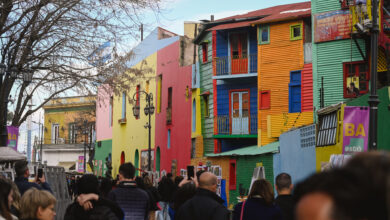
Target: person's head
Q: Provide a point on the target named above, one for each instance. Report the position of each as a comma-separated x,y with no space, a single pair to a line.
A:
105,186
283,184
148,182
262,188
21,169
37,204
88,183
184,193
352,85
126,171
209,181
15,194
199,172
5,198
140,182
166,188
178,179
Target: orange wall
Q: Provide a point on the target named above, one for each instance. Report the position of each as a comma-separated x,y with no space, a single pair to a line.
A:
275,61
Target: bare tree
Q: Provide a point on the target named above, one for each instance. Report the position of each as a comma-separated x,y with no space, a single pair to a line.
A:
54,39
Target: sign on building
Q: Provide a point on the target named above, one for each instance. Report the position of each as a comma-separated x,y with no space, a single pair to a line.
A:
333,25
355,130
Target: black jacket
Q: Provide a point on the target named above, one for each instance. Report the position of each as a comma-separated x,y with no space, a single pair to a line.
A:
103,209
133,201
205,205
286,204
256,208
24,185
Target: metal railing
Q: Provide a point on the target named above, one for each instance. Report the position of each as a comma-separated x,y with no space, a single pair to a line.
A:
247,125
235,64
386,19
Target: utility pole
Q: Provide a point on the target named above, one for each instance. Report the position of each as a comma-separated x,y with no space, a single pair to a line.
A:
29,134
373,99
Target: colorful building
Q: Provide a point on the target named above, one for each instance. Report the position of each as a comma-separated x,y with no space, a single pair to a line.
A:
285,71
104,123
341,65
130,133
174,73
69,124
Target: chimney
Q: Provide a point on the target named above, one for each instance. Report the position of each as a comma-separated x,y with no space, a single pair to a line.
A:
211,18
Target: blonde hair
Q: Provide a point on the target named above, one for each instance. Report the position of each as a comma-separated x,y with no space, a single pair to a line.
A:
32,199
15,195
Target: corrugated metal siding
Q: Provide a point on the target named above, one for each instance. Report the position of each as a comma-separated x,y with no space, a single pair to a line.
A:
206,84
307,88
319,6
329,58
276,60
280,123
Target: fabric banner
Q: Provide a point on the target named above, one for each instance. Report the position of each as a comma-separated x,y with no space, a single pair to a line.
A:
333,25
80,162
13,134
355,131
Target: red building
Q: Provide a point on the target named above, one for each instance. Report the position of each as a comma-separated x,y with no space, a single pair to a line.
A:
173,112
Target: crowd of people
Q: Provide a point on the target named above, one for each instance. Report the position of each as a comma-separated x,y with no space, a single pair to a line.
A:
360,190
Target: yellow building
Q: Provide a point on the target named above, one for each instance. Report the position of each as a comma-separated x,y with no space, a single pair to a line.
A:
69,124
130,137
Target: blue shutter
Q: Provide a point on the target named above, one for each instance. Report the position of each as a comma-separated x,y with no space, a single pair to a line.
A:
295,92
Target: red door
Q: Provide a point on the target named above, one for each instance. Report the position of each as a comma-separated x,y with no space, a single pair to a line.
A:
239,53
122,157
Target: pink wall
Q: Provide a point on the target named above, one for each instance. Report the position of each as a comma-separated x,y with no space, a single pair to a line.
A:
103,128
179,78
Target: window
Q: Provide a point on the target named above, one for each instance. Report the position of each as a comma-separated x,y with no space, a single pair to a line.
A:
123,105
264,35
295,92
72,133
193,148
137,103
239,53
346,3
169,139
232,176
169,108
265,99
205,52
296,32
206,106
55,133
327,129
159,84
356,79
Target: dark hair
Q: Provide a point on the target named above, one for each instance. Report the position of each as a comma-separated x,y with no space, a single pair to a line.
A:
184,193
20,167
166,188
178,179
105,186
5,189
283,181
88,183
127,170
263,188
140,182
148,182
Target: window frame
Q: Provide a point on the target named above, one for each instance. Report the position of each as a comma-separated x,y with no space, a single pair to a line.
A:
206,101
294,83
268,103
123,116
260,41
300,37
355,65
327,129
138,101
232,174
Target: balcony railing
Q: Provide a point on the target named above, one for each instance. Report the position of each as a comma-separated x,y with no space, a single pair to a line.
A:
386,19
241,125
235,65
169,116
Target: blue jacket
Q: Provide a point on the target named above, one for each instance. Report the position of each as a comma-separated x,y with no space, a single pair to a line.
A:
133,201
24,185
256,208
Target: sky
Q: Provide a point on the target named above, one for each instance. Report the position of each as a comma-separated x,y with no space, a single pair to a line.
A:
172,18
178,11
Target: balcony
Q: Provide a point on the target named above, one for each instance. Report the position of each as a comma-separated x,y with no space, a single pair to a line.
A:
169,116
386,19
232,67
236,127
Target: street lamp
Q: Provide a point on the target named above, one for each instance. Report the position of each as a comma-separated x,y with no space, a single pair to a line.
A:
148,110
9,70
